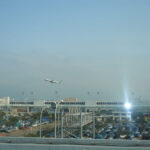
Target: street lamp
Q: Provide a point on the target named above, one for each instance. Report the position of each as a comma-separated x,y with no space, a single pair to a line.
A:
56,105
41,119
127,105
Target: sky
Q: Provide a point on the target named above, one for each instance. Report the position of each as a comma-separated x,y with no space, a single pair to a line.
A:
99,48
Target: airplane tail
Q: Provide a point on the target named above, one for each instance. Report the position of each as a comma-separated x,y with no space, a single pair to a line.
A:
60,81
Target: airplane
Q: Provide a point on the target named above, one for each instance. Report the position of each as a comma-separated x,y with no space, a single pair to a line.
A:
54,81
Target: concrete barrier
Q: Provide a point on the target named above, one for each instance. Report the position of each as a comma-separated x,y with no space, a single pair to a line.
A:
87,142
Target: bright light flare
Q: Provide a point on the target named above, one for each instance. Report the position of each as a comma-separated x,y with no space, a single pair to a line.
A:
127,105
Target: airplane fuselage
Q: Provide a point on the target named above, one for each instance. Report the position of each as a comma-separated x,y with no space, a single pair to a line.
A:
53,81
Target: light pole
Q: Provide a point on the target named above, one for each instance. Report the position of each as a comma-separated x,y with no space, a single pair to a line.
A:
93,124
55,121
56,105
61,123
81,129
41,119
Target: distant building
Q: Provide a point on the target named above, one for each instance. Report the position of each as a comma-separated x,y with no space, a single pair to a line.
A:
69,99
109,103
4,101
119,114
71,102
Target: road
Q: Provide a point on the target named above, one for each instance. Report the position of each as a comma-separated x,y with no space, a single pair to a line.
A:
7,146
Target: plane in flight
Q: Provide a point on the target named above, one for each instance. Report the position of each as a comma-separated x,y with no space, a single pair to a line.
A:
54,81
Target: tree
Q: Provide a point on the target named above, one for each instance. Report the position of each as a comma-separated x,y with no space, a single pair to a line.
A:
2,114
12,121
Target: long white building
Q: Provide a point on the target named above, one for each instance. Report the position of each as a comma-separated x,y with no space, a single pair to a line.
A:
120,114
5,101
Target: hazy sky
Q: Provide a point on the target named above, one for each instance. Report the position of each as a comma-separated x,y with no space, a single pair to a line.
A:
92,45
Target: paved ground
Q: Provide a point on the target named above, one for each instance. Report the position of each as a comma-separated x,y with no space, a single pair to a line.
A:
64,147
25,132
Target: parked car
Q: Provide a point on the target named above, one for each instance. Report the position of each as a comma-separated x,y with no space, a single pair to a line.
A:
21,127
4,130
99,136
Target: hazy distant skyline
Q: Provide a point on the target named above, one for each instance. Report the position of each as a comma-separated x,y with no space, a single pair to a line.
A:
97,46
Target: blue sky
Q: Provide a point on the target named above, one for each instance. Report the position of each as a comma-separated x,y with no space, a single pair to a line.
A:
92,45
